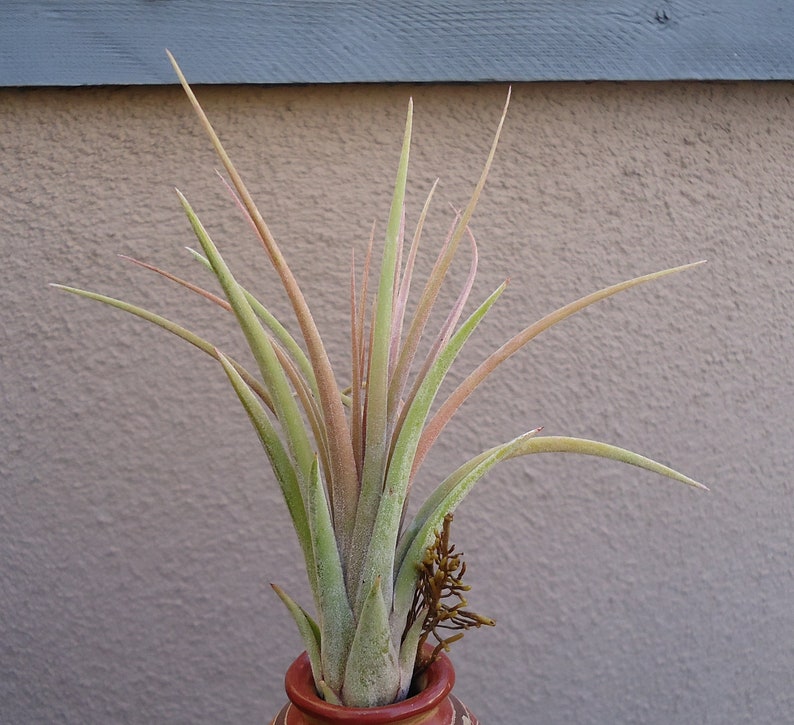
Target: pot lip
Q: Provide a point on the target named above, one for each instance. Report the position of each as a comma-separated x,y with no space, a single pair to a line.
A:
299,685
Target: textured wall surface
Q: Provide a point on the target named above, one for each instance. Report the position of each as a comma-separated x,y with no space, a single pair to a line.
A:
139,525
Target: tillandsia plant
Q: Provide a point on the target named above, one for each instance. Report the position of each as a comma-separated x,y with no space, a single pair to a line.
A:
345,454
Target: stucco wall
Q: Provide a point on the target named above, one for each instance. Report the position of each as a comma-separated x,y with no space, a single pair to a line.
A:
139,525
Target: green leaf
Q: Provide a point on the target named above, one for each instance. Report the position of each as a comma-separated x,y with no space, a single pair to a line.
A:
174,329
377,397
467,387
380,557
436,498
463,480
373,672
564,444
452,491
335,614
408,650
343,488
275,379
309,632
282,466
273,324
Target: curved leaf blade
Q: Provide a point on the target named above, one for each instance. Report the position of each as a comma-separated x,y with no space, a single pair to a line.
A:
583,446
467,387
464,480
344,484
174,329
273,323
383,539
281,463
261,346
308,629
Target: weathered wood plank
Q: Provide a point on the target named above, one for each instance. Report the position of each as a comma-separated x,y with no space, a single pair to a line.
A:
96,42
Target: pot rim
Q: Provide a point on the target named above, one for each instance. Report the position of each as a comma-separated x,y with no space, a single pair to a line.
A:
299,685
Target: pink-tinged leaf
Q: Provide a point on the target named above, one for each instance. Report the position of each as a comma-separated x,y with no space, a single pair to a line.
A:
398,309
344,479
359,358
428,298
460,303
405,284
383,539
310,407
179,331
467,387
355,373
376,432
184,283
274,325
449,325
419,321
238,202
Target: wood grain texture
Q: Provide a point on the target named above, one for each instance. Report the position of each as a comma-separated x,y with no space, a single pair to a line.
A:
98,42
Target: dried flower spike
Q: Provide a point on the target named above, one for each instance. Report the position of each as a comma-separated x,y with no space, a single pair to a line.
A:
441,580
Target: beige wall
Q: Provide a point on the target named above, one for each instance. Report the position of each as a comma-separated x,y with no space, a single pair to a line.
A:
139,525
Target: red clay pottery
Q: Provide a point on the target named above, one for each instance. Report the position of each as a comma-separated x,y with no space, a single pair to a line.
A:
433,705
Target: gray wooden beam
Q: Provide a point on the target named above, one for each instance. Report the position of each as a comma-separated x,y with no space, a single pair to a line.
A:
98,42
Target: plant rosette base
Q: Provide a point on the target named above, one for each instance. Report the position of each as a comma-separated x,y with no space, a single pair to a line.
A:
434,704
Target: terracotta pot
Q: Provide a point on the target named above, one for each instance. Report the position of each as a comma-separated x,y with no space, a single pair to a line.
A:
434,705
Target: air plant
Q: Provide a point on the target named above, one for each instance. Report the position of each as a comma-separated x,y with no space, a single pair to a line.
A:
346,455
